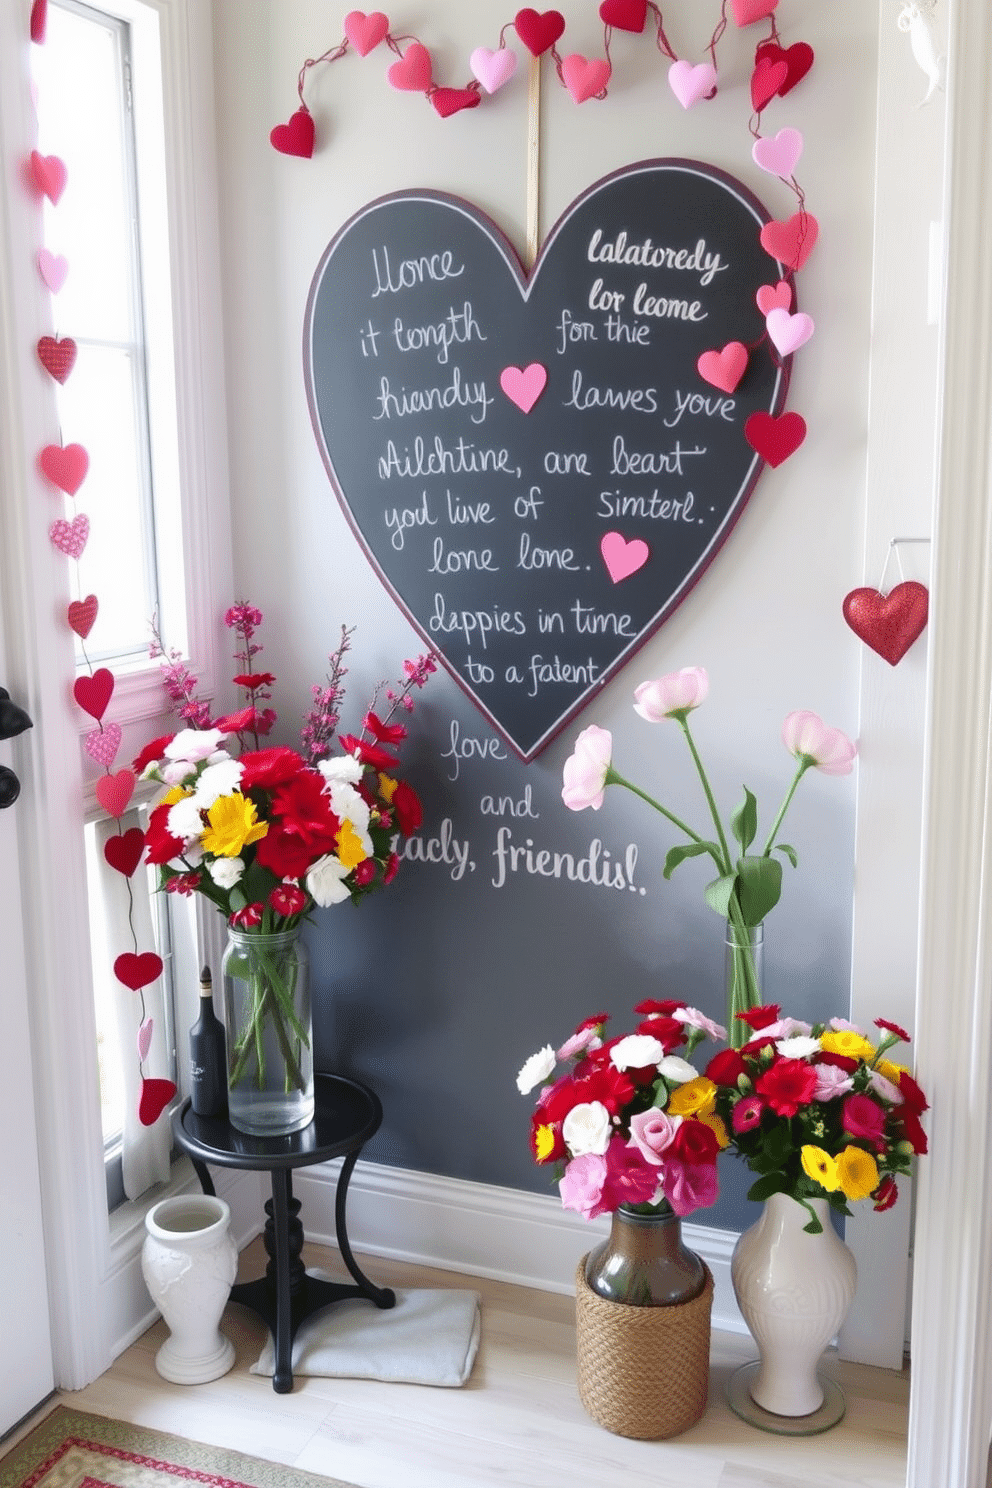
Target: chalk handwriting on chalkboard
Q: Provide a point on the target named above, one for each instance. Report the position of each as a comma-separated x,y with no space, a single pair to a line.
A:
533,465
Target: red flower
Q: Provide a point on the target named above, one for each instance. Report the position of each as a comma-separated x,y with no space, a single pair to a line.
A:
406,804
761,1017
369,754
252,680
726,1067
913,1097
247,918
391,869
909,1130
596,1021
288,899
629,1178
265,769
695,1143
559,1151
383,733
183,883
666,1007
863,1117
786,1085
152,751
236,723
900,1033
842,1061
364,873
161,846
668,1031
885,1194
613,1088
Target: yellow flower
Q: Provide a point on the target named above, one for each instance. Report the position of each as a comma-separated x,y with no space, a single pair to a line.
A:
387,786
233,825
350,849
175,794
821,1167
891,1071
857,1171
544,1143
695,1098
845,1041
716,1123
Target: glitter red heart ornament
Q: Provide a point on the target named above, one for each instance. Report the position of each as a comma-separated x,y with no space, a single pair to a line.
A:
297,137
124,852
365,31
775,439
450,101
766,79
888,623
155,1096
539,30
57,356
49,175
65,466
413,72
114,792
137,971
624,15
791,242
82,614
798,58
94,693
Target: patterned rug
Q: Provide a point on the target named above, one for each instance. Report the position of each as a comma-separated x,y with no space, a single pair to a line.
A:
73,1450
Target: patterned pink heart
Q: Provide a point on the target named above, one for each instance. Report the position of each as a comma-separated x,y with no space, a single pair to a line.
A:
774,297
103,743
690,84
70,537
114,792
788,332
584,78
49,175
53,269
365,31
65,466
724,369
746,12
413,72
93,693
623,558
493,69
524,385
145,1032
779,154
155,1096
791,242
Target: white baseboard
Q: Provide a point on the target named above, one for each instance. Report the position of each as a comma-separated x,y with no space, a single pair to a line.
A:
481,1230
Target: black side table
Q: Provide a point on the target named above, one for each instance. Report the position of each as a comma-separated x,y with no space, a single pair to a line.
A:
346,1116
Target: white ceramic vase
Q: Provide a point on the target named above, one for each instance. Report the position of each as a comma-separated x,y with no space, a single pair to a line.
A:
793,1290
189,1262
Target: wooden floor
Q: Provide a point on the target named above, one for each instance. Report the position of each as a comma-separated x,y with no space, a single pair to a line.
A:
517,1422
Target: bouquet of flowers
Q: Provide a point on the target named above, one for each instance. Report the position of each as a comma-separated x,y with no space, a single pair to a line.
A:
631,1121
819,1111
748,884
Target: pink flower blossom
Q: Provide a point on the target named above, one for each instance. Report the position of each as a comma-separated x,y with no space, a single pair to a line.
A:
805,735
581,1185
652,1132
677,693
629,1179
690,1186
863,1117
693,1018
747,1113
585,1041
584,775
831,1082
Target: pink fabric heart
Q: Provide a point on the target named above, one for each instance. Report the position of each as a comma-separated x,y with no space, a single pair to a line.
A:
65,466
412,73
623,558
114,792
365,31
791,242
524,385
53,268
746,12
724,369
774,297
493,69
145,1032
779,154
102,744
690,84
70,537
788,332
584,78
49,175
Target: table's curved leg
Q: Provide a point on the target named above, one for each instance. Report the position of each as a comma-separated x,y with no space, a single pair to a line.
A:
282,1375
382,1296
203,1173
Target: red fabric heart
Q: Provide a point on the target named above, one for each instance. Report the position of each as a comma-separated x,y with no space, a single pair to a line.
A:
124,852
775,439
297,137
724,369
412,73
155,1096
766,79
65,466
365,31
792,242
797,58
625,15
82,614
39,21
94,693
888,623
137,971
539,30
114,792
450,101
746,12
49,174
57,356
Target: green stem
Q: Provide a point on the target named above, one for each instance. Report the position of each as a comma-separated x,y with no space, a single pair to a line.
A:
744,992
613,777
804,765
270,998
683,722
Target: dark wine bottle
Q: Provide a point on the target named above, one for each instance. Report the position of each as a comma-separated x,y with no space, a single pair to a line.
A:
208,1064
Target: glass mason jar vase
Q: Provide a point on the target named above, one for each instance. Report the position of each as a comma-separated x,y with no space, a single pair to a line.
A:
269,1032
644,1263
744,970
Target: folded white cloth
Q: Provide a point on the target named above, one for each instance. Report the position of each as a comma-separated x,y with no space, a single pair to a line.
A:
430,1337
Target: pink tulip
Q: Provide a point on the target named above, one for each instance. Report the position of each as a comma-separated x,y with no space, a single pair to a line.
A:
805,735
669,696
584,774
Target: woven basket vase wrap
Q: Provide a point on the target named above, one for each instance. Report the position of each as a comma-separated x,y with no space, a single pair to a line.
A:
643,1371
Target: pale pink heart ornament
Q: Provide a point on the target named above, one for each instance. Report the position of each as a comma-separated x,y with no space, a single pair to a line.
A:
493,69
690,84
774,297
53,268
102,744
788,332
365,31
524,385
70,537
779,154
145,1037
724,369
623,558
584,78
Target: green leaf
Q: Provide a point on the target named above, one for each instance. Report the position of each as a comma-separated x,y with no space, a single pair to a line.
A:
677,855
744,822
759,887
764,1188
790,853
720,892
237,899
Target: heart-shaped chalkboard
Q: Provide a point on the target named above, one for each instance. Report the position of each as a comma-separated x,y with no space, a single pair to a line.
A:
534,464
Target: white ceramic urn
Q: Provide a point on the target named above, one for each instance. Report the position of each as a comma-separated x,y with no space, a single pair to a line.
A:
189,1262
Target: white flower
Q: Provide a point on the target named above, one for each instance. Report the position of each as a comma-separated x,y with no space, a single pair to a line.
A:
344,767
693,1018
348,805
325,881
184,819
221,779
637,1051
193,744
175,773
798,1047
587,1128
535,1069
226,872
885,1088
677,1070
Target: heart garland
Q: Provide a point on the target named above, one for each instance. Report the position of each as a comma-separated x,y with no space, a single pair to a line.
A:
66,466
